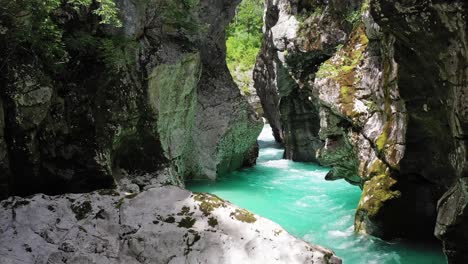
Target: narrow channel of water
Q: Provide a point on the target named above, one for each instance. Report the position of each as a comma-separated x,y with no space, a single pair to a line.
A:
296,196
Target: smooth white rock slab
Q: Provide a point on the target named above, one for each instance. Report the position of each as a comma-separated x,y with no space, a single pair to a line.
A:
146,228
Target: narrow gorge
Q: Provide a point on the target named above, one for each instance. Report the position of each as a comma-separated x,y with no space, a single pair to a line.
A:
377,90
110,109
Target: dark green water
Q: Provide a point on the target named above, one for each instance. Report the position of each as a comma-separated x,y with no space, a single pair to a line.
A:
296,196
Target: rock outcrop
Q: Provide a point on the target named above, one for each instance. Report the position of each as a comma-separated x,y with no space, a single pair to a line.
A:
164,224
387,82
293,117
431,49
155,92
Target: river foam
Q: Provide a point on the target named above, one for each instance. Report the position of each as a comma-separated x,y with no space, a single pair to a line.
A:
296,196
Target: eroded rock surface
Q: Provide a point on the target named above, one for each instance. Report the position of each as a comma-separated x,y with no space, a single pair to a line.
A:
164,224
152,93
387,80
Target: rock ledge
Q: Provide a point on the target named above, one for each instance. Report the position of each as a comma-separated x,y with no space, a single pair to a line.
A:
165,224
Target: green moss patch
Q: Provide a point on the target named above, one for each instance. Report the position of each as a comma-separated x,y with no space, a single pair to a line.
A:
208,202
243,216
212,221
187,222
377,191
236,143
347,58
342,68
172,94
377,168
184,211
382,140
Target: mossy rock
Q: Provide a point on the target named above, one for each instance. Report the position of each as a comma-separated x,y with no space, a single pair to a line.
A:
187,222
208,202
184,211
243,216
343,69
172,95
376,193
212,221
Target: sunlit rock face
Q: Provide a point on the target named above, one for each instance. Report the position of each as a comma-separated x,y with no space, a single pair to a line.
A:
154,93
387,82
163,224
339,66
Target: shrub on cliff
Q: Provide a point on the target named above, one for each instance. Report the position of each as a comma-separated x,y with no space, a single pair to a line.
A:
244,37
36,26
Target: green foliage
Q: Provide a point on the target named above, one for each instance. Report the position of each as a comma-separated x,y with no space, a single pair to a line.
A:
244,38
115,52
180,14
30,22
353,16
31,26
106,10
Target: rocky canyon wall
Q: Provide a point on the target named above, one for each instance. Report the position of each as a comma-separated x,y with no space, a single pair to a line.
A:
82,103
376,90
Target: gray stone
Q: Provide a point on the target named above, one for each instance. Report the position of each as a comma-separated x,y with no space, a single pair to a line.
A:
390,94
161,225
154,93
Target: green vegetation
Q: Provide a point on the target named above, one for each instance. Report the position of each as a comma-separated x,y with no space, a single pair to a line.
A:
244,216
244,38
187,222
170,219
377,191
382,140
184,211
212,221
353,16
106,9
33,25
208,202
172,93
179,14
343,68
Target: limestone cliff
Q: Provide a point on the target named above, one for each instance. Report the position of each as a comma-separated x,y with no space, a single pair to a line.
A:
82,102
111,226
87,106
386,81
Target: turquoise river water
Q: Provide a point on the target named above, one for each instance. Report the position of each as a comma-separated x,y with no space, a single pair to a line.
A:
296,196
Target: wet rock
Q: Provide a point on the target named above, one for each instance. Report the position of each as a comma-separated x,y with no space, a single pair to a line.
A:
433,36
452,222
389,87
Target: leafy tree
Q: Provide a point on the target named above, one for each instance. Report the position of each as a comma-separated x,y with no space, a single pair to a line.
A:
29,25
244,38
